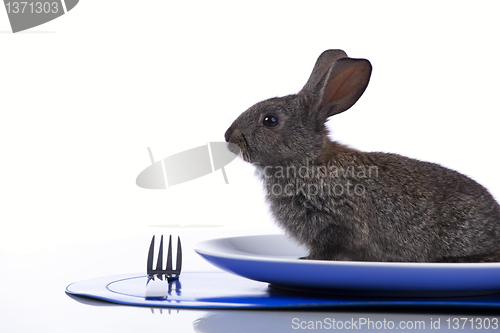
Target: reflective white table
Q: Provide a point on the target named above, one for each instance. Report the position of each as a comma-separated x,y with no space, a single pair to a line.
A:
33,297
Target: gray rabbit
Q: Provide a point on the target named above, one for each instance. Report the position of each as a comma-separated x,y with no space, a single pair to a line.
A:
345,204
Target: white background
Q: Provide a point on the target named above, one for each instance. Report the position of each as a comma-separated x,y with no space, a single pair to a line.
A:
83,96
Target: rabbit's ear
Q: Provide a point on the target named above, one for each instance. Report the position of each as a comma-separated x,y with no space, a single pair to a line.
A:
323,64
342,85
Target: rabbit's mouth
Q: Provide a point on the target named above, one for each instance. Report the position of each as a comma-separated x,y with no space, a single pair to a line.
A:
235,136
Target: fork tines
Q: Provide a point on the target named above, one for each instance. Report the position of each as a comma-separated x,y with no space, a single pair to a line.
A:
168,272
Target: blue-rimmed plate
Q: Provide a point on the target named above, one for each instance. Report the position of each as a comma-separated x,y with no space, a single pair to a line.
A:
274,259
221,290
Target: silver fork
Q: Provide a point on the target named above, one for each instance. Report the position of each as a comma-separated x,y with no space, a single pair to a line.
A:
168,272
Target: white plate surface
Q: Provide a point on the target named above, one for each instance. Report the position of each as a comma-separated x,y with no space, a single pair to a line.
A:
274,259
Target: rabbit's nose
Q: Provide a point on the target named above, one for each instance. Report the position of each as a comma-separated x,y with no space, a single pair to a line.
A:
228,134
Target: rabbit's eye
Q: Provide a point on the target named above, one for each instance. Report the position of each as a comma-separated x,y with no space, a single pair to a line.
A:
270,121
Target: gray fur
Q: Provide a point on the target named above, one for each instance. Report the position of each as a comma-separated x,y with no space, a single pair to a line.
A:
345,204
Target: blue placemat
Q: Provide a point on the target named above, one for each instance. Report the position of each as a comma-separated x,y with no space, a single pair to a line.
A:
220,290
